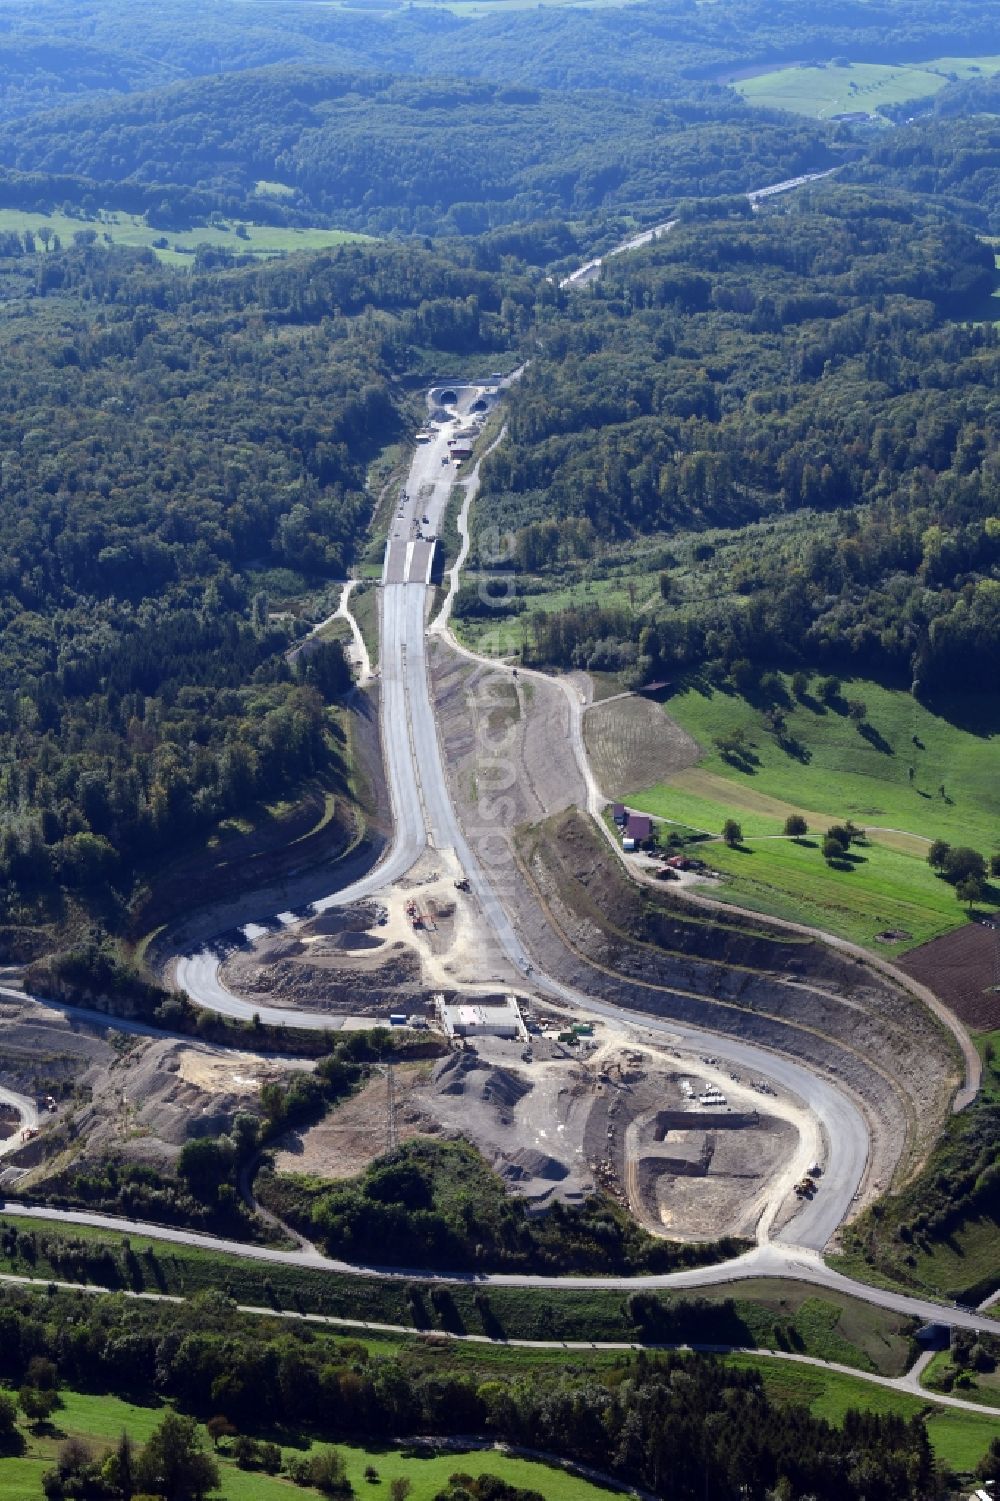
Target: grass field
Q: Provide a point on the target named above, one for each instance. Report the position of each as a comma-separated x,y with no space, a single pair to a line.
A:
988,1044
131,229
964,1267
971,1386
101,1419
503,634
821,92
833,774
959,1438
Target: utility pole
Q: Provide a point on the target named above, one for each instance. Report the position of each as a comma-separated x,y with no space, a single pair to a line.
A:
392,1135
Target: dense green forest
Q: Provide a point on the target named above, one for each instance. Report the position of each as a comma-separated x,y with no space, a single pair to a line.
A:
421,156
59,49
681,1425
802,358
165,442
953,161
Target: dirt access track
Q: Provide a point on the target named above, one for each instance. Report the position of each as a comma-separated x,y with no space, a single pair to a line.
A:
593,928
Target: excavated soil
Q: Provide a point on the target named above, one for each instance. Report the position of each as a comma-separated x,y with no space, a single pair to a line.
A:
345,961
506,741
632,743
352,1136
135,1097
833,1012
699,1181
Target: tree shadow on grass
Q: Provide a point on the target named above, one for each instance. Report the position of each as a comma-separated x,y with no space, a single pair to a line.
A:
875,738
795,749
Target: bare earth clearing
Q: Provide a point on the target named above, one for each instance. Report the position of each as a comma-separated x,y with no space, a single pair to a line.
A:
963,968
134,1098
633,744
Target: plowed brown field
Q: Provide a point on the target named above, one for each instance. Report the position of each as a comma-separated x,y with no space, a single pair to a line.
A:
961,968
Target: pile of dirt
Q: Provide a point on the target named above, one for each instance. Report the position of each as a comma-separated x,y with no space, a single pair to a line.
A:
356,941
530,1164
504,1089
466,1074
450,1074
357,918
329,982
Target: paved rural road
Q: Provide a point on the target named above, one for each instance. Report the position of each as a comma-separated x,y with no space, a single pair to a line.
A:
908,1384
762,1261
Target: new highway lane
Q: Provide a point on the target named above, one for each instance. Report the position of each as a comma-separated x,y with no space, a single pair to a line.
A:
424,816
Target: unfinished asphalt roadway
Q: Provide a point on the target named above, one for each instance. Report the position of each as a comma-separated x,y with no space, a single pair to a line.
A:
424,817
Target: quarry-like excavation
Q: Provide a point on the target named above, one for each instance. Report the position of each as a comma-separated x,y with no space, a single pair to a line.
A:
510,763
724,1061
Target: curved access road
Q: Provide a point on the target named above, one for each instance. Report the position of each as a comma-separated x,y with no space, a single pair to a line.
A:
27,1109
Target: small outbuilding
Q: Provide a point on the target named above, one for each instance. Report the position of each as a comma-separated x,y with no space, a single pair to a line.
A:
639,826
619,814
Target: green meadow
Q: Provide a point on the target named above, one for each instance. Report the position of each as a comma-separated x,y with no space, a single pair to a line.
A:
827,90
99,1420
119,228
958,1438
830,771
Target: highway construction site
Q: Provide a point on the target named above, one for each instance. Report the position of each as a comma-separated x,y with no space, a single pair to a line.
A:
627,997
691,1152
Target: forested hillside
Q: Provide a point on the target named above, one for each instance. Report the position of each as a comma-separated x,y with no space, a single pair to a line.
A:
954,161
165,441
802,358
681,1424
60,49
424,156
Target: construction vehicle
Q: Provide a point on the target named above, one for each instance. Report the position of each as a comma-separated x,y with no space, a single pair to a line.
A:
462,884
